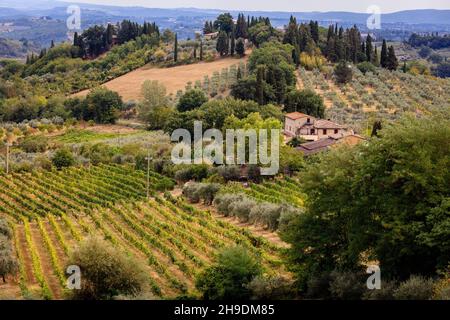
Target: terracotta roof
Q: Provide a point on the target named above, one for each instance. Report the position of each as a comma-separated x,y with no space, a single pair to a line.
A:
316,146
297,115
326,124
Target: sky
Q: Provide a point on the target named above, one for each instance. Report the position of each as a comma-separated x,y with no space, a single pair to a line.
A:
386,6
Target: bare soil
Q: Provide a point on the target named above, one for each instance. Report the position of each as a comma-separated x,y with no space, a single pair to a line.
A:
174,79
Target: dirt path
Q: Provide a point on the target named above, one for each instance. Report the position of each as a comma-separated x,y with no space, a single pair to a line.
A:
174,79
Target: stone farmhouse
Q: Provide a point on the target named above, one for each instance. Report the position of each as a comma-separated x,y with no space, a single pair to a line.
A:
309,128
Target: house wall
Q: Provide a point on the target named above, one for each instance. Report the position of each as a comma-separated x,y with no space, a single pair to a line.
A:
330,133
291,126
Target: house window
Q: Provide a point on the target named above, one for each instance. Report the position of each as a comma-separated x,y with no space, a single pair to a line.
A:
324,131
308,120
336,131
313,131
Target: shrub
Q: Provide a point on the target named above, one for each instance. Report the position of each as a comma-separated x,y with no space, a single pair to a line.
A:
223,202
229,276
192,172
385,293
366,66
415,288
242,209
8,262
192,99
254,173
63,158
347,285
318,287
229,173
106,272
271,288
343,72
34,144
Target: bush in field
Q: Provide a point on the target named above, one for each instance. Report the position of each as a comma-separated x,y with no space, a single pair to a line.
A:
195,192
347,285
223,202
415,288
271,288
103,105
343,72
8,261
366,67
63,158
192,172
34,144
106,271
228,278
287,215
192,99
318,286
385,293
242,209
229,173
266,214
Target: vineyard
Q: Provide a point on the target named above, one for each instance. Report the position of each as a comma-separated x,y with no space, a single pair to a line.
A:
278,191
53,211
383,95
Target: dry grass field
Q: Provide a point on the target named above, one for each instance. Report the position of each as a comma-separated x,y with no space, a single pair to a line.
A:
175,78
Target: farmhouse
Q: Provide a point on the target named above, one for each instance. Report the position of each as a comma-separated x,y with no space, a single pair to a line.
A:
211,36
301,125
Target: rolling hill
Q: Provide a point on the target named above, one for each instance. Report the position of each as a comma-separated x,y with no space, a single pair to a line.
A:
174,79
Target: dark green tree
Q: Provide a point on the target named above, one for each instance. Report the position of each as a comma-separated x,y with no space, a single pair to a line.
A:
228,278
305,101
392,62
369,48
240,47
192,99
175,49
103,105
222,45
224,22
232,44
384,55
63,158
343,72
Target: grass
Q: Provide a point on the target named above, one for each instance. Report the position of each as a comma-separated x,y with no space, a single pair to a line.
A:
80,135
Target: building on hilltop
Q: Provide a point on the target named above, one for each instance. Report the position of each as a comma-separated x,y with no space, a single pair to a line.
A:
309,128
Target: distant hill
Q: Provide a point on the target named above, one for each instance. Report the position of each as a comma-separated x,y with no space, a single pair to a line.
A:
185,22
16,49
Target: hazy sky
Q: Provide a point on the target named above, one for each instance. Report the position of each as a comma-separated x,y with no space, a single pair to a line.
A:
284,5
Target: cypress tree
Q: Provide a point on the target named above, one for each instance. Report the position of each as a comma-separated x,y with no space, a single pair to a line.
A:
240,47
222,45
384,55
201,50
175,51
239,74
369,48
392,62
375,57
260,85
233,43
